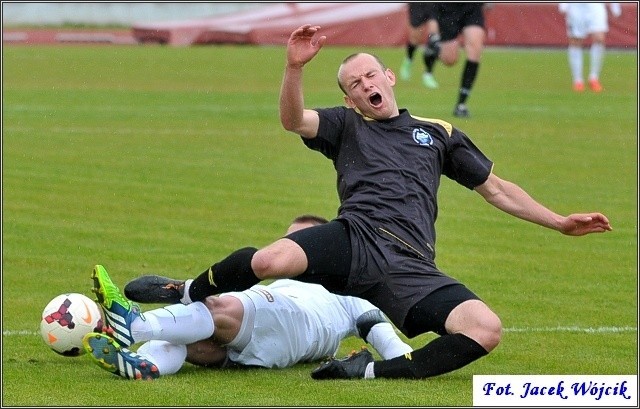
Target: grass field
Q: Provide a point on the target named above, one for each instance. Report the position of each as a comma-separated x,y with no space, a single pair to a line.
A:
163,160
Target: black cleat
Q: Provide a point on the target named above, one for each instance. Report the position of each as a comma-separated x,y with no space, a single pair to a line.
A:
154,289
350,367
461,111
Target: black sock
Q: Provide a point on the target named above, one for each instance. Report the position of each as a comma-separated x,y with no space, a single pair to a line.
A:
431,51
234,273
410,50
429,62
444,354
468,78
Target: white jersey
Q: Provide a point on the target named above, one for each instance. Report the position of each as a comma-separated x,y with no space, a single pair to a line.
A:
586,18
301,322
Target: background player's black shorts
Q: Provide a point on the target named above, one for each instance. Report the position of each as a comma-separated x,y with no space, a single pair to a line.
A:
454,17
420,13
430,313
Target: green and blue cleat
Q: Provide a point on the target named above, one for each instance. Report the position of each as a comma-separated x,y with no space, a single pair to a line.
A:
118,360
118,311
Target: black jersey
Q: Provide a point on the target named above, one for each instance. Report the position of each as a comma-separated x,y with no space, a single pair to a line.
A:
388,174
390,170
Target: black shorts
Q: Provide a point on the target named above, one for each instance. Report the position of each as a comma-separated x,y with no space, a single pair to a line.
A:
454,17
420,13
350,258
328,251
430,313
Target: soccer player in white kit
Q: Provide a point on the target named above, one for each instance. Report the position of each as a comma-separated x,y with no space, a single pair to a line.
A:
289,321
587,20
271,326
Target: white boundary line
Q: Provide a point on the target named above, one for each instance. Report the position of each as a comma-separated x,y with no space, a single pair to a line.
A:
587,330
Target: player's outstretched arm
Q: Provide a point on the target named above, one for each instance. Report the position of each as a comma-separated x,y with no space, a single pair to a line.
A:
512,199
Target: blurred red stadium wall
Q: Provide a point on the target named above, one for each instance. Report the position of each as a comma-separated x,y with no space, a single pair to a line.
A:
383,24
375,24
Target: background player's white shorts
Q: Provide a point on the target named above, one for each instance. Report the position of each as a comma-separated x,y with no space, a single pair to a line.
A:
586,18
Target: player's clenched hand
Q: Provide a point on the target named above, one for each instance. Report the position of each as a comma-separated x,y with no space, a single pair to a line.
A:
302,47
585,223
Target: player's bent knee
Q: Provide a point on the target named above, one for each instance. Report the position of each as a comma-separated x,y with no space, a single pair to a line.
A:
267,264
262,263
487,328
476,320
490,333
282,259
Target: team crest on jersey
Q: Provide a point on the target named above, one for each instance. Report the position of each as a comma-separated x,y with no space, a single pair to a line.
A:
422,137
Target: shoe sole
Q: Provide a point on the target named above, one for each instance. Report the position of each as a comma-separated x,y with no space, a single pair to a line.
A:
108,355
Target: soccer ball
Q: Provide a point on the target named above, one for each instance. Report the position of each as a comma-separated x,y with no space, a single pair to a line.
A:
66,320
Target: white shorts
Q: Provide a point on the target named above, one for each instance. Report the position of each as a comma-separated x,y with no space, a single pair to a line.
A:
292,324
584,19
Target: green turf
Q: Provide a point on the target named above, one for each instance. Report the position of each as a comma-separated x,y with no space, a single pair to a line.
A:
163,160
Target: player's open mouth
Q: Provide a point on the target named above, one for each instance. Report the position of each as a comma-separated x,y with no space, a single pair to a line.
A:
375,99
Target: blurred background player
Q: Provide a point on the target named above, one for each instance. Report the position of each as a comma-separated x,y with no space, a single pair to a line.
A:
421,20
587,20
455,19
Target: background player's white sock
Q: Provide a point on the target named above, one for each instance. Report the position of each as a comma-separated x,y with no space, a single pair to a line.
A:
575,62
596,56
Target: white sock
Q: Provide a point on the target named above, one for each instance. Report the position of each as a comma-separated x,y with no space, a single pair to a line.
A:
168,357
596,58
384,339
368,372
575,62
177,323
186,299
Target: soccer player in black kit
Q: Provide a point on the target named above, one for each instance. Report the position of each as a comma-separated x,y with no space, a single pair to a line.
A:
467,21
381,245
